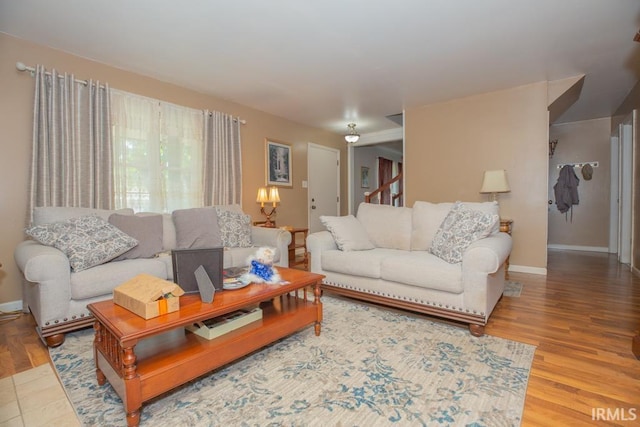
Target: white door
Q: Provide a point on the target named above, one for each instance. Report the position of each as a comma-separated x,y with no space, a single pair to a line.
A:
323,164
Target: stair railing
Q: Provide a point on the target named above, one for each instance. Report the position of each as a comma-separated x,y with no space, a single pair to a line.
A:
383,187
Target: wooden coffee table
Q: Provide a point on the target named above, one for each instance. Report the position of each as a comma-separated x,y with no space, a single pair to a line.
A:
142,359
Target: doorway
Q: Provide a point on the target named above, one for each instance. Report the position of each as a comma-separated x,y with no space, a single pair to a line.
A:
364,163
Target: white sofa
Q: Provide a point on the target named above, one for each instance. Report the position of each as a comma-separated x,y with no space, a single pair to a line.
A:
397,268
58,296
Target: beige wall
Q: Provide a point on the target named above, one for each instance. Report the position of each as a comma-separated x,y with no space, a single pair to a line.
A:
449,145
16,94
586,141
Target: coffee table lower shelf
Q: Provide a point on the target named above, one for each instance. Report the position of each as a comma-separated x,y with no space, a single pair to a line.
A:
167,360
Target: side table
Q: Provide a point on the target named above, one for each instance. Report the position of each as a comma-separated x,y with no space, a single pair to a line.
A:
505,227
296,244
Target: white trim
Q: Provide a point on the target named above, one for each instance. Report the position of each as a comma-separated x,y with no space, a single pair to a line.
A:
382,136
527,269
604,249
11,306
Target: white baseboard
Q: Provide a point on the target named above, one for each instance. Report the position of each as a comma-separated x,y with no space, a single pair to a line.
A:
11,306
604,249
527,269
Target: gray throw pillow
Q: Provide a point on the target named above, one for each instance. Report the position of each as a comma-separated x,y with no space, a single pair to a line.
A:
460,228
235,229
197,228
146,229
87,241
348,232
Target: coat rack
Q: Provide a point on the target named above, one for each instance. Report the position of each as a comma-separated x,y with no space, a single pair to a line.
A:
578,165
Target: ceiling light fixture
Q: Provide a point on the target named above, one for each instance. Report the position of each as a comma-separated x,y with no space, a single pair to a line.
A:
352,136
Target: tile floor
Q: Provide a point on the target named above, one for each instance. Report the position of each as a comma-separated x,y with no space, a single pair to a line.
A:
35,398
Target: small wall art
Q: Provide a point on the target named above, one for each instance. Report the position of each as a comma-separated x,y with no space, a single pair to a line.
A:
364,177
278,159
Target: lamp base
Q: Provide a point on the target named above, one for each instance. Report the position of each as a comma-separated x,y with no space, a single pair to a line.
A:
268,223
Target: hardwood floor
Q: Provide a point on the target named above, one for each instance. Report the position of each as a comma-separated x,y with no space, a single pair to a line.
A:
582,317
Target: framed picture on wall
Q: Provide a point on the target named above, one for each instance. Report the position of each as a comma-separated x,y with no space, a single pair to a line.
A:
364,177
278,167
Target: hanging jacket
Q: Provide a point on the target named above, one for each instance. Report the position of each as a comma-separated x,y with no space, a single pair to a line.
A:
566,189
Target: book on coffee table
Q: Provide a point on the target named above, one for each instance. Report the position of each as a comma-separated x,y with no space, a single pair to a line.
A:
218,326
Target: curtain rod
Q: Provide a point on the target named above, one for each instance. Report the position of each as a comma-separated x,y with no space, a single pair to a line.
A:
22,67
238,119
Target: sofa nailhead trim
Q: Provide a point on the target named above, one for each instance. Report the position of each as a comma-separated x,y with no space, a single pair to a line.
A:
432,304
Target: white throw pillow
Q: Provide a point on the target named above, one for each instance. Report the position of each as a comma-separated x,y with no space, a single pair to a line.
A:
87,241
460,228
348,232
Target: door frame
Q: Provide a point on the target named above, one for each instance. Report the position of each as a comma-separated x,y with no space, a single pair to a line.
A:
372,138
625,193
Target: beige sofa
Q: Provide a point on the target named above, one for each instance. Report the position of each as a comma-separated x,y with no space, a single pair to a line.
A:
58,296
384,256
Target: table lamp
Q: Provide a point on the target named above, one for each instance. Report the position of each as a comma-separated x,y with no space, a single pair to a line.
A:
495,182
268,195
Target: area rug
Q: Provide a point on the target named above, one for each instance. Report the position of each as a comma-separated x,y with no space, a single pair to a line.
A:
512,289
369,367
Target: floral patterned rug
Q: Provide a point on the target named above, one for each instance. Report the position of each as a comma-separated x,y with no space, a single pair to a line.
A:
370,366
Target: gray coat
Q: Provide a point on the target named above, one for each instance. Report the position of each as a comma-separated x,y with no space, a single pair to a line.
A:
566,189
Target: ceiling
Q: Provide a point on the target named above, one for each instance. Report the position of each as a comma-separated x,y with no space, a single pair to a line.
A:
328,63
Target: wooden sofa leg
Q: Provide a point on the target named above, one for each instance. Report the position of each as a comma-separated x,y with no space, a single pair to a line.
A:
54,340
476,330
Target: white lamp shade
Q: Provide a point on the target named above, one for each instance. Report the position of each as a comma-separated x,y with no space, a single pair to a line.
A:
263,197
495,182
274,196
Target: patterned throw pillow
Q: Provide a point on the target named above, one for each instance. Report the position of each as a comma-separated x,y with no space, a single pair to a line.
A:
460,228
235,229
87,240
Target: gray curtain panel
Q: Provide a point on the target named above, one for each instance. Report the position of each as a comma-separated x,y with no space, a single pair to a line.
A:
71,161
222,159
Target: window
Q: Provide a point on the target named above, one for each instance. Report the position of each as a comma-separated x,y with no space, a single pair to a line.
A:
158,152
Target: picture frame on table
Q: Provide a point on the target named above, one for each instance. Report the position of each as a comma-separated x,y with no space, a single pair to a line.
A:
278,163
364,177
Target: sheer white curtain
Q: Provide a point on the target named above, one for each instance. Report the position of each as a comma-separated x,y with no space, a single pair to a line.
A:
182,151
158,154
71,159
222,159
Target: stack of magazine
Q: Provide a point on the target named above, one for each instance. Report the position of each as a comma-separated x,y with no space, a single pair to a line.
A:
218,326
